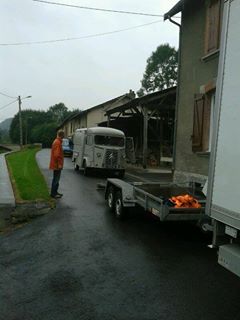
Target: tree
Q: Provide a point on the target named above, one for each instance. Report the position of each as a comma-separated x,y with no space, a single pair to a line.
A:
30,119
44,133
161,70
58,112
4,136
39,126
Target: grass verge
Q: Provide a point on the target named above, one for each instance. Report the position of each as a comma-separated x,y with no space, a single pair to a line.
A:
27,180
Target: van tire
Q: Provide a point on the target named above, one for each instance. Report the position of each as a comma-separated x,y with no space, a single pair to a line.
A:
121,174
85,169
76,167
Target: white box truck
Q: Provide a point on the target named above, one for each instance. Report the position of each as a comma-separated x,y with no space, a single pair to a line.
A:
223,196
100,148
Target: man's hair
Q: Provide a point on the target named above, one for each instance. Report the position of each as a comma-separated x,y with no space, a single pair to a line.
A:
60,133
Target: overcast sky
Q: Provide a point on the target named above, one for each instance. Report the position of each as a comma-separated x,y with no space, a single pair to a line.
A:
80,73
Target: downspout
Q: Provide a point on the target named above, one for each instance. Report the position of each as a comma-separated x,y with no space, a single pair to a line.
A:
174,22
177,95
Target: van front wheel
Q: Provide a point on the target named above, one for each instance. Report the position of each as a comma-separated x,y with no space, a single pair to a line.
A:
85,169
76,167
121,174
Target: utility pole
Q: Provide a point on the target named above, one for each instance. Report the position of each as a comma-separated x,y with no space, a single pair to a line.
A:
20,121
145,135
26,134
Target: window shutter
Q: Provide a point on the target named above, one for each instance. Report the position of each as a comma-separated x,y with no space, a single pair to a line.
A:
197,137
206,122
213,26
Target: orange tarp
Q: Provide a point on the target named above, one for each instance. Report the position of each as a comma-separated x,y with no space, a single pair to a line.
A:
185,201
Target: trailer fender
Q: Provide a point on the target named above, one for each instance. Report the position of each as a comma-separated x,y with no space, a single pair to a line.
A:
114,186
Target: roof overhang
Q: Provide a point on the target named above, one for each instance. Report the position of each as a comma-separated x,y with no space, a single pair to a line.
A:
150,101
176,9
102,105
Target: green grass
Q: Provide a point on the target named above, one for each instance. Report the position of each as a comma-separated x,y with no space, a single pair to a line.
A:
27,179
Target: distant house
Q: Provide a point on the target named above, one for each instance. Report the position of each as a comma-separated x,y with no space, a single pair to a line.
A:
198,68
92,117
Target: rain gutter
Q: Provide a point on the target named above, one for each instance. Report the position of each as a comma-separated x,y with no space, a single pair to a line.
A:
168,16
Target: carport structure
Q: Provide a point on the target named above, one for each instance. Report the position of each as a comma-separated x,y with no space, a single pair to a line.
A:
150,121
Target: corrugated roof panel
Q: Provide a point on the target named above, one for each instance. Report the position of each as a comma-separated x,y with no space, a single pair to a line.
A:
176,9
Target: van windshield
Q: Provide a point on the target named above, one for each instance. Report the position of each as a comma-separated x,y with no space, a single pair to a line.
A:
65,142
109,141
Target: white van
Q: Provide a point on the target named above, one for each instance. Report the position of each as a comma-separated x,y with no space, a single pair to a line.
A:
99,148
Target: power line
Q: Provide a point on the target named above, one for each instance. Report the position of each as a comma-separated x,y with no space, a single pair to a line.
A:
99,9
6,105
6,95
78,38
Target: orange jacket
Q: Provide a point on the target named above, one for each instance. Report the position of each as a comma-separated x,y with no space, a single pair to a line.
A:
56,161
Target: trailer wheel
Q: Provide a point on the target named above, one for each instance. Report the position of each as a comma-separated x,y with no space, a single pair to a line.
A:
110,198
119,209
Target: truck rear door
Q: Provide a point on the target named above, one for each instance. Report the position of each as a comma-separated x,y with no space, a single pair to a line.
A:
224,175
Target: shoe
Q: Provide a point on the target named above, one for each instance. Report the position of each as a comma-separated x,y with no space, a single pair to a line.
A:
57,196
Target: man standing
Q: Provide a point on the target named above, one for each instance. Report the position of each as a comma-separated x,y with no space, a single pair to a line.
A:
56,163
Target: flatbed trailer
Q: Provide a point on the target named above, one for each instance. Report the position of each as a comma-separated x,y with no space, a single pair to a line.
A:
152,197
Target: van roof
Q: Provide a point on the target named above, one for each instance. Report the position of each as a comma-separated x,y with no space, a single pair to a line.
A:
102,131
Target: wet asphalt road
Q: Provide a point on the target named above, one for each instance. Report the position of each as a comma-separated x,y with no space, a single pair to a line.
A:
79,262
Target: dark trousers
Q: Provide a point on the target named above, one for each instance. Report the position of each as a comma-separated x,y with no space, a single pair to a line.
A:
55,182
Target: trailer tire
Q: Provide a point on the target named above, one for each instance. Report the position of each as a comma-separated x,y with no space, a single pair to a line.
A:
110,198
118,207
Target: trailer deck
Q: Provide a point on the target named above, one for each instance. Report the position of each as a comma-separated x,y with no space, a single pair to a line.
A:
153,197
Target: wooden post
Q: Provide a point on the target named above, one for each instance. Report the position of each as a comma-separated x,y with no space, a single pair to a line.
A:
145,136
108,120
161,139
